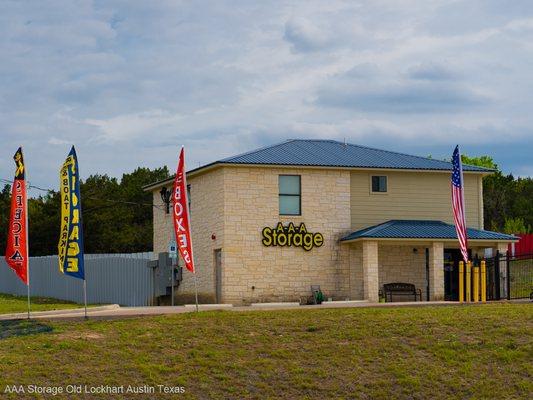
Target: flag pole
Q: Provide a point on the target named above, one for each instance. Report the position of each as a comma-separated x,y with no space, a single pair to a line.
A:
27,240
85,296
183,222
196,289
190,230
28,273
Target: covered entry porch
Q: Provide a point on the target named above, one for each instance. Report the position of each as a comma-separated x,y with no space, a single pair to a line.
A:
414,252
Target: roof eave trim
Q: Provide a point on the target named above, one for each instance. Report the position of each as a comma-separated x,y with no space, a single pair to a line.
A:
208,167
419,239
348,167
193,172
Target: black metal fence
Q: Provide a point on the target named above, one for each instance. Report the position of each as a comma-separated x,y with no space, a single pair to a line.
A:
520,282
509,277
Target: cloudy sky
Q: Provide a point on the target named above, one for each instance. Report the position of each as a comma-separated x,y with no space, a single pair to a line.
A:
129,82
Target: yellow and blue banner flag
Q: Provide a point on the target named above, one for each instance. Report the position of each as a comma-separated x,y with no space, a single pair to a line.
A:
70,247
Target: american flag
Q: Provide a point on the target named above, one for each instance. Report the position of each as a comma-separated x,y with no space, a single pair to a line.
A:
458,202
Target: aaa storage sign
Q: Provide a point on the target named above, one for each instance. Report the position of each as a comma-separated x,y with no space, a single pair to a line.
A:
291,235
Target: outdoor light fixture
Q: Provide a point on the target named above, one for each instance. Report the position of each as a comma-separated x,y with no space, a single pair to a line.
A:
165,197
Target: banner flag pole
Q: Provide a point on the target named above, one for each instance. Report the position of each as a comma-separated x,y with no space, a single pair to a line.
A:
27,250
29,307
70,247
196,290
17,246
85,297
182,219
28,298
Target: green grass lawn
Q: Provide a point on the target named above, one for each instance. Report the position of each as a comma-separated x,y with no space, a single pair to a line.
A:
369,353
15,304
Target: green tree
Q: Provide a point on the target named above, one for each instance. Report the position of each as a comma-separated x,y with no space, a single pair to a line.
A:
5,205
117,215
521,202
515,225
482,161
504,197
44,221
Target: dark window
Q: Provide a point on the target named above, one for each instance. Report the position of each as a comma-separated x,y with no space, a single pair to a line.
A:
290,200
379,184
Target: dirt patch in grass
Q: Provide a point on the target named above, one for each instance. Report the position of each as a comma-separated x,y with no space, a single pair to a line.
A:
81,335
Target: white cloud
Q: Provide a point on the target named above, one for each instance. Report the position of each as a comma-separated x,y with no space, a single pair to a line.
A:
131,126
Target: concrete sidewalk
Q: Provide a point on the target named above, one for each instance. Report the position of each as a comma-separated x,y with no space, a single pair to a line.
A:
115,311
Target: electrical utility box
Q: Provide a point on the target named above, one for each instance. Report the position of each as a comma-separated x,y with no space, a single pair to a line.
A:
165,269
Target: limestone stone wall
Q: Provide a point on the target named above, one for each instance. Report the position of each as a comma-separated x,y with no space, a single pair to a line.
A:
207,205
436,271
371,270
252,272
356,271
400,264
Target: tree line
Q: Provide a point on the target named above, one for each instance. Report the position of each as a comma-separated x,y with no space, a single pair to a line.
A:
507,201
117,214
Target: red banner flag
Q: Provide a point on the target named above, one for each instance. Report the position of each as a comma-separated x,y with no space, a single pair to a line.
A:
17,239
180,212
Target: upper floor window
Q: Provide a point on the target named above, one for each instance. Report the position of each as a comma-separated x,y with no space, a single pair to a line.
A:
379,184
290,199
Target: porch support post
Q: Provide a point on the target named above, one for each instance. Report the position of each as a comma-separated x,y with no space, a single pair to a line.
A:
502,247
370,271
436,271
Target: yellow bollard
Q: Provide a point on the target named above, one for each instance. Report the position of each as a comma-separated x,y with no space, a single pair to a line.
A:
475,279
461,281
468,283
483,281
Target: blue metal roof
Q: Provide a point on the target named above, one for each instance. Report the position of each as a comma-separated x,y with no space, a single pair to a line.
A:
413,229
332,153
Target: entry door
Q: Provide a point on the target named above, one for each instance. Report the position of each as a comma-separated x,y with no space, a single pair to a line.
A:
451,273
218,274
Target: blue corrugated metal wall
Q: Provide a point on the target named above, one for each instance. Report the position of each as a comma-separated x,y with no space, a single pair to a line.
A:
123,279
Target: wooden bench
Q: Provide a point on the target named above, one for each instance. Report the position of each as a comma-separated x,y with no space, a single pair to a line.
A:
401,289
